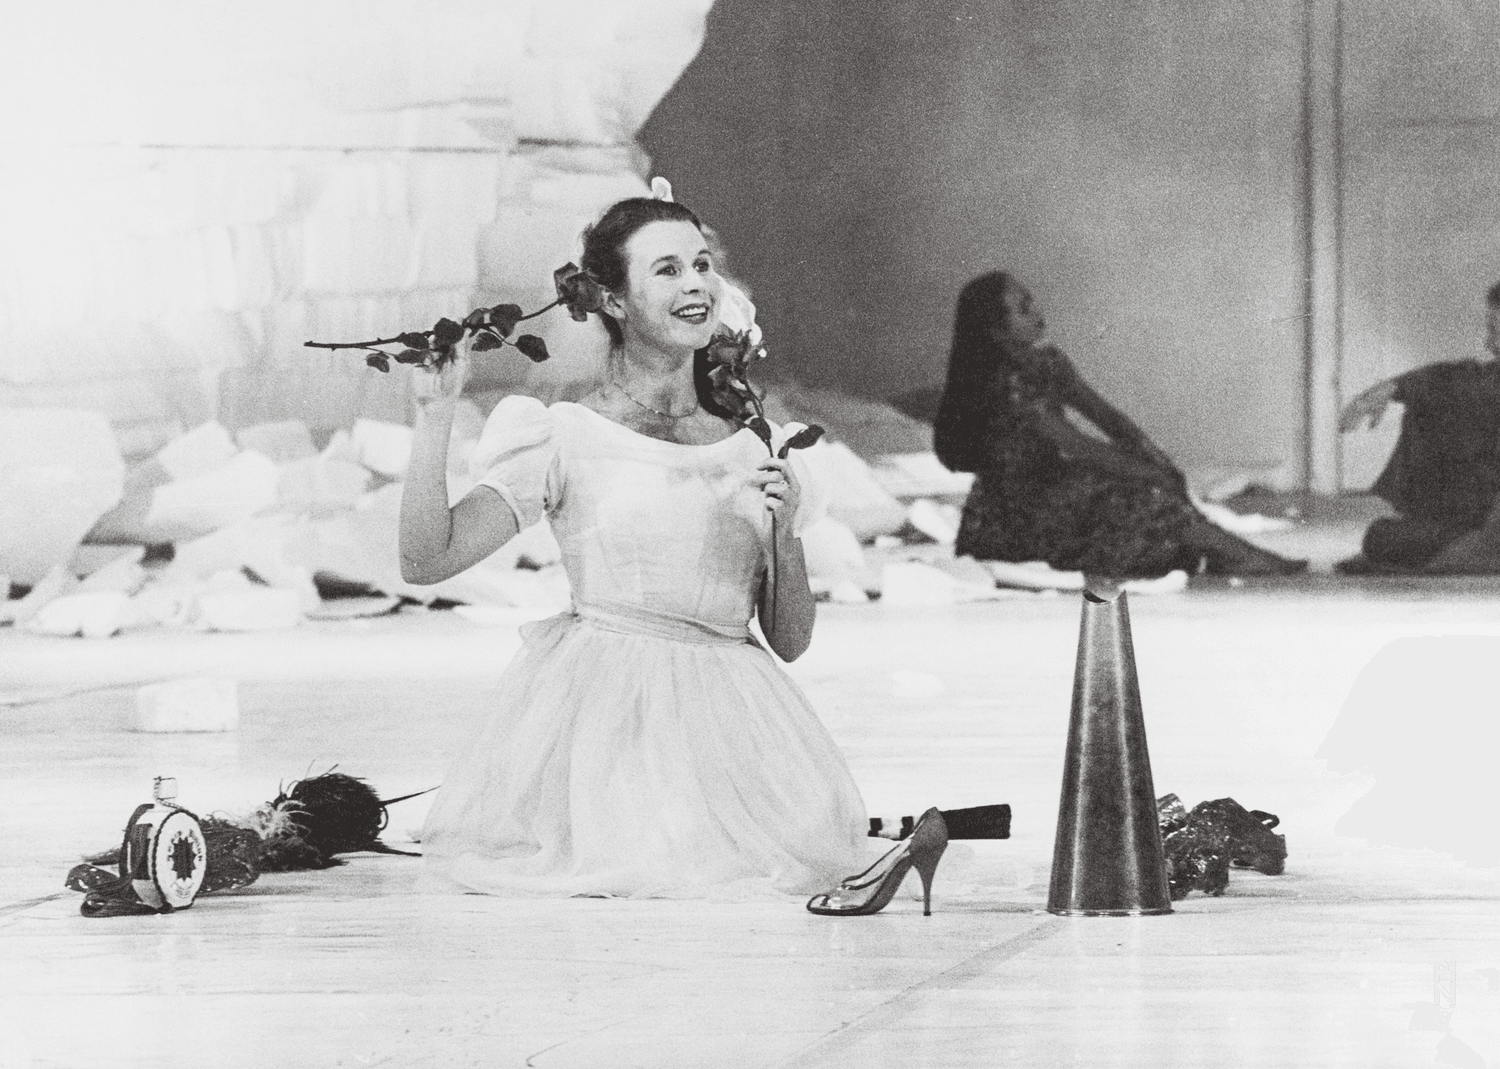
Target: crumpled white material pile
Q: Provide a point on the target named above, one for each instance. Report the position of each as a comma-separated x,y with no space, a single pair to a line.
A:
259,518
254,516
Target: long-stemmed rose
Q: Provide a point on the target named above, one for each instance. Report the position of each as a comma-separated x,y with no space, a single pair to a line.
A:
492,327
735,346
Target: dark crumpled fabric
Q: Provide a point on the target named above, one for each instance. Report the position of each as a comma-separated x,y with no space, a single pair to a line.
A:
1202,845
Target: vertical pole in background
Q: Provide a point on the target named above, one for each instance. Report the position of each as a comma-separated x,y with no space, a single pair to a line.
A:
1323,168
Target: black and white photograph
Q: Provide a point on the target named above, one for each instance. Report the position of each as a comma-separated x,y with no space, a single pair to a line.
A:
749,534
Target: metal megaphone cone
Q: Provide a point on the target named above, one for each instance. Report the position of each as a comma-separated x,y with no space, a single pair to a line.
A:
1107,859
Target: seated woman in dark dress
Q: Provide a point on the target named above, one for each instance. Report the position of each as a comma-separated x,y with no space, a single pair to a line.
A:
1444,476
1112,505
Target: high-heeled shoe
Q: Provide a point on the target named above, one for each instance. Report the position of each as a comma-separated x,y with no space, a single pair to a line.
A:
872,890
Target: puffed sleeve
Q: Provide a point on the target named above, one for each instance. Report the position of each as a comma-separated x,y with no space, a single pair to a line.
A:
810,476
517,457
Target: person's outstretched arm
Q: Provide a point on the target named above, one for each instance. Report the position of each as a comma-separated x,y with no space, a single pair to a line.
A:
1368,405
436,541
1044,415
1103,456
1120,428
787,612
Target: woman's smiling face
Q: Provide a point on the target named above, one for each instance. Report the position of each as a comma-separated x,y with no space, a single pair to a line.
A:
672,292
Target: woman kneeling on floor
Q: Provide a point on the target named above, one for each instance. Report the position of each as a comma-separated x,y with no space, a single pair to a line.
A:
644,743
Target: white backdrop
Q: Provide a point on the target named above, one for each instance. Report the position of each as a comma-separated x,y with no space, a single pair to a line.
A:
189,191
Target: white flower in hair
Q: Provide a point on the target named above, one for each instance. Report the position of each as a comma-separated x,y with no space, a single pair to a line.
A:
737,313
661,189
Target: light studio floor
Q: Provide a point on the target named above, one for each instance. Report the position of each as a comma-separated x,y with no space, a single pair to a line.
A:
952,706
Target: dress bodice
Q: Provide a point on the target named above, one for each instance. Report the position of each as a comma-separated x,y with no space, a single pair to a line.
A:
674,529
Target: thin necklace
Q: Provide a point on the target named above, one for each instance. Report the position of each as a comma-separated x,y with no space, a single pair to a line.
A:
648,408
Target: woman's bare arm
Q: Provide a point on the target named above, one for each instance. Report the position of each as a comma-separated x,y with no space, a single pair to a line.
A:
788,610
1120,428
436,541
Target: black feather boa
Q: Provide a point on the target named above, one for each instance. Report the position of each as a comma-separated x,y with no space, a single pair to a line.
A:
324,816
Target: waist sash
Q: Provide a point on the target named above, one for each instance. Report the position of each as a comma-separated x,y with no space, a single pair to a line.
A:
631,619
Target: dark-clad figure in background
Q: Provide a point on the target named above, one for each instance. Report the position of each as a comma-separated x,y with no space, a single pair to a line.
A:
1444,476
1111,504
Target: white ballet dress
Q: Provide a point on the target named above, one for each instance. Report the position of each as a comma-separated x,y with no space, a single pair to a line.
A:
643,744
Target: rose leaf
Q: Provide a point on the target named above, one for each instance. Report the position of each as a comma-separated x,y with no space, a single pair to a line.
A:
534,348
761,428
504,317
801,440
447,333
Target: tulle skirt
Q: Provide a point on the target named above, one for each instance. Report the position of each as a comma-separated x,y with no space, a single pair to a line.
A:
636,754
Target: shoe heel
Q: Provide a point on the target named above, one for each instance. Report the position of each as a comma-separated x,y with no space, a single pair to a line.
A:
926,872
927,847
